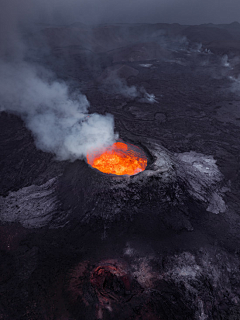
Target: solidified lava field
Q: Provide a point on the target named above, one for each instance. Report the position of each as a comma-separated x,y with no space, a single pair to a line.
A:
79,244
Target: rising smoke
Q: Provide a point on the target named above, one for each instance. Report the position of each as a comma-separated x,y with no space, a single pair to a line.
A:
58,119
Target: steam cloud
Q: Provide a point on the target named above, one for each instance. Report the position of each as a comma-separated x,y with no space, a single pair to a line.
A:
116,85
58,120
120,86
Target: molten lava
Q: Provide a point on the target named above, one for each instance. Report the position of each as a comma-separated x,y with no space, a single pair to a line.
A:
119,159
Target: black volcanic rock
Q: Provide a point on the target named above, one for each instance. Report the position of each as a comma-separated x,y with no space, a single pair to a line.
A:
207,35
76,243
138,52
119,72
21,163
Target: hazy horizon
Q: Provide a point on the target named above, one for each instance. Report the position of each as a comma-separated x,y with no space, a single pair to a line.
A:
185,12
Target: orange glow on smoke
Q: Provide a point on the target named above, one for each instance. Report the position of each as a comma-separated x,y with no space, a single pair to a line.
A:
119,159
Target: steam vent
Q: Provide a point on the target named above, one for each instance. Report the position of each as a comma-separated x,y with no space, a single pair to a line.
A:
119,159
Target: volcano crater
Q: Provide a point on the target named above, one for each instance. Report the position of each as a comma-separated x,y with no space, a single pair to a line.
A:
169,184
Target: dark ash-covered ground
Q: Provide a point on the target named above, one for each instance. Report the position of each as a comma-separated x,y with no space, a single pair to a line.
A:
76,244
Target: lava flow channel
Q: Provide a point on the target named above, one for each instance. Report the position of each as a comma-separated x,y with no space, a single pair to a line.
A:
119,159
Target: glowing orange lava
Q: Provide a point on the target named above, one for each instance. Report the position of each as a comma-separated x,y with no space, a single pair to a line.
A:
119,159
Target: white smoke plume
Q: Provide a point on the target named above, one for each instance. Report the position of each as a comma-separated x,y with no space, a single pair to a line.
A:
59,121
235,84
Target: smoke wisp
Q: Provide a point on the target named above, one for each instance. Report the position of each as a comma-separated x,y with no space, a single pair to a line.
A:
119,86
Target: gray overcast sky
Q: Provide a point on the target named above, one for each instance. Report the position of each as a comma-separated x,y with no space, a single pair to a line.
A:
181,11
101,11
